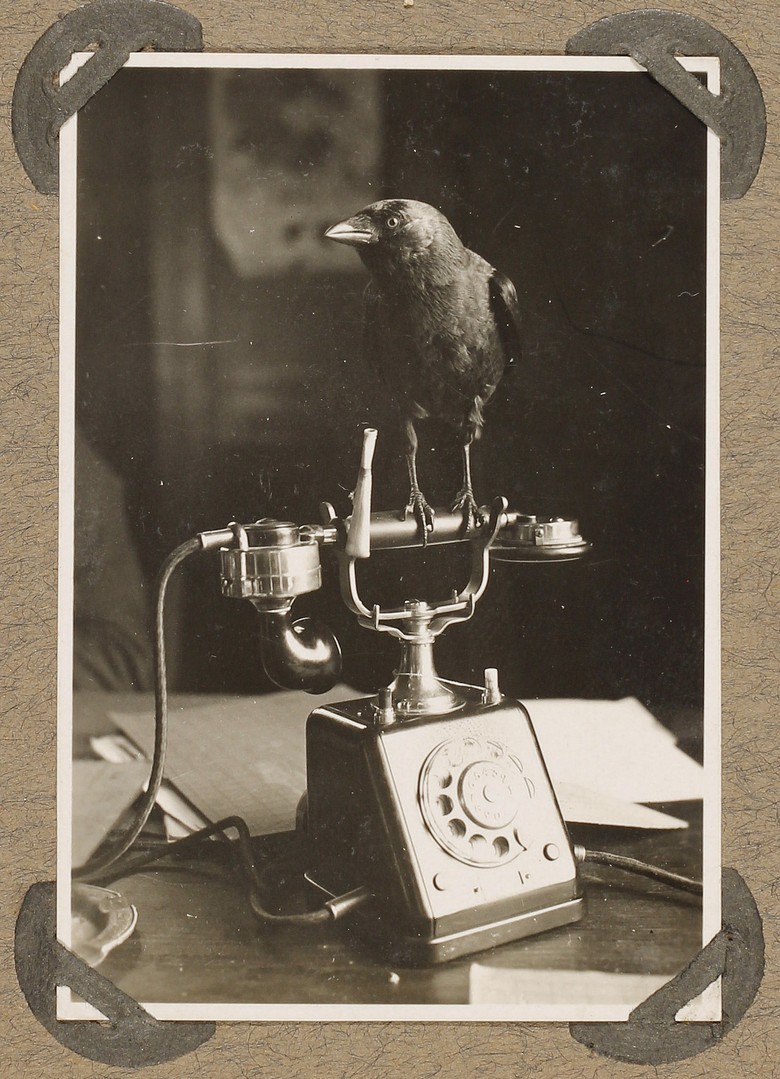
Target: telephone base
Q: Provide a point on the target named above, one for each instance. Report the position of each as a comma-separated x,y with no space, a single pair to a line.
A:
425,951
449,821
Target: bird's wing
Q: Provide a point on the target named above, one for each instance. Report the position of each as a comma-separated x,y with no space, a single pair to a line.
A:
506,311
371,336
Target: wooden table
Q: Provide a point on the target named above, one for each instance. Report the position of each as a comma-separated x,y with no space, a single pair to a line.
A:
197,941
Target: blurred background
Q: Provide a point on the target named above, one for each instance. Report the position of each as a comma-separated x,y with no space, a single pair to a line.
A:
219,376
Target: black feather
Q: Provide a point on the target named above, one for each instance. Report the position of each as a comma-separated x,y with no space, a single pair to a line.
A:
503,300
441,325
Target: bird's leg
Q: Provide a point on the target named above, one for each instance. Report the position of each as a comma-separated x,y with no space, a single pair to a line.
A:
417,504
464,500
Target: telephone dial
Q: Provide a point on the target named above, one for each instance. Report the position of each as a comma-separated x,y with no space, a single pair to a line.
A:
429,802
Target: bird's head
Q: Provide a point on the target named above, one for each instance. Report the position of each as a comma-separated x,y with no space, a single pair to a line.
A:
397,233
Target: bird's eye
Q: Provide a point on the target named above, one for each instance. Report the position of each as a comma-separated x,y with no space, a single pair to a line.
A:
392,221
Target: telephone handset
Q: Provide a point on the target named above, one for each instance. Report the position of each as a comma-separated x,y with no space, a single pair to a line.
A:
432,796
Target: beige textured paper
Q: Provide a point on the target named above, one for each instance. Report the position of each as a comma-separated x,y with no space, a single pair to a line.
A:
28,350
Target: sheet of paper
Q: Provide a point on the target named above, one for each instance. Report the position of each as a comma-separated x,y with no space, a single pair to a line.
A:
579,805
247,756
179,816
593,995
101,794
244,757
580,995
616,748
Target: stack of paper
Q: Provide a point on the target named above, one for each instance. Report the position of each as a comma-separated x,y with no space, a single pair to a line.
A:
247,757
616,748
244,757
101,794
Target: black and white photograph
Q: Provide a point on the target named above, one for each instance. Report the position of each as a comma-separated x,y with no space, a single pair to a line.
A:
388,681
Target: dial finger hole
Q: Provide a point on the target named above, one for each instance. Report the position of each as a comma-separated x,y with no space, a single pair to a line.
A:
445,804
478,843
500,846
456,828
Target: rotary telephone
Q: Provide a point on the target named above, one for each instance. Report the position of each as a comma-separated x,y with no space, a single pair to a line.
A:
431,801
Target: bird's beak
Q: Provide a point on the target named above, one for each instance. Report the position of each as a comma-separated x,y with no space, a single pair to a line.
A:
354,231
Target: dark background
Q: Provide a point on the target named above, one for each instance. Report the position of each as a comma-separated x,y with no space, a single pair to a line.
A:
588,191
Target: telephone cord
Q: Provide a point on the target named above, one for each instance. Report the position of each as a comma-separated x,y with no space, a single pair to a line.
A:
109,865
644,869
97,866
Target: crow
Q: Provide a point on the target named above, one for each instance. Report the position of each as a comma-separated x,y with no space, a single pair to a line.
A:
440,326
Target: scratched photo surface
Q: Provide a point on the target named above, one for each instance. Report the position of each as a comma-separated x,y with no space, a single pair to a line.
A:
219,376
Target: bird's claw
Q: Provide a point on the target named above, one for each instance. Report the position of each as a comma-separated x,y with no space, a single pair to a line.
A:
467,504
423,514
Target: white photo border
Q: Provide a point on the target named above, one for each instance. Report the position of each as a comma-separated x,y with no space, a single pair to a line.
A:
708,1008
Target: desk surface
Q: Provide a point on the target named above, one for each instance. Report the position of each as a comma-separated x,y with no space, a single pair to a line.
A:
197,941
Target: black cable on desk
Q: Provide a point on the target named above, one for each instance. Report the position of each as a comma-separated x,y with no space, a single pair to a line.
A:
334,908
109,865
644,869
97,866
246,861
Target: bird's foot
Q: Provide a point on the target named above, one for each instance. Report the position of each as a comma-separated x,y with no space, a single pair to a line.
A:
467,504
423,513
